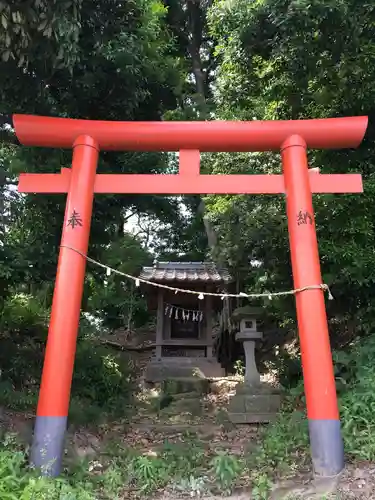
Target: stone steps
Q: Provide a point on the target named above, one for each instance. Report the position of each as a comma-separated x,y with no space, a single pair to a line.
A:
185,385
182,367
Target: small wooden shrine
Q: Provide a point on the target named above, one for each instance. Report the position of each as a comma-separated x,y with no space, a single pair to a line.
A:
184,336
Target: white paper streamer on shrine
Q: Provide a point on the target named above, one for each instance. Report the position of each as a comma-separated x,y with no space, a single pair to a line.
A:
177,313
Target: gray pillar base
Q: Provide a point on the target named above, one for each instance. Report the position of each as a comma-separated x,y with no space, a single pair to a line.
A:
48,445
327,447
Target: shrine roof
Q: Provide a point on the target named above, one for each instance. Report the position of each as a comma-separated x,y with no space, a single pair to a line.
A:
188,272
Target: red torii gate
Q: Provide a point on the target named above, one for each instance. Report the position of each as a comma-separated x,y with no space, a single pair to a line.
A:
87,138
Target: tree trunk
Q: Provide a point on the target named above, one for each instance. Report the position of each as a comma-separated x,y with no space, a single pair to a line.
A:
195,26
196,23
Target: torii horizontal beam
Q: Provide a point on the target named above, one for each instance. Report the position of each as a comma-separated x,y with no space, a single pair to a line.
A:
189,181
185,184
325,133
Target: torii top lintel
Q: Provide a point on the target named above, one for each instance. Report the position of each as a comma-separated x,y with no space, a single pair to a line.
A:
326,133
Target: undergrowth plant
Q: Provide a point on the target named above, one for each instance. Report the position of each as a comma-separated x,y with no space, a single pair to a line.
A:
285,444
172,464
226,470
239,368
184,467
18,482
102,381
103,384
357,401
193,486
261,487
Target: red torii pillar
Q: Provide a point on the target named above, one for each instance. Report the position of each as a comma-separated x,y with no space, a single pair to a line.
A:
87,138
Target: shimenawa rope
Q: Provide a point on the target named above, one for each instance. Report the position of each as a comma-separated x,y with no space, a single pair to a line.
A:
201,295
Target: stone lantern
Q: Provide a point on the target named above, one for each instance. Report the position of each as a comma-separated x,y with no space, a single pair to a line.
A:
254,401
248,335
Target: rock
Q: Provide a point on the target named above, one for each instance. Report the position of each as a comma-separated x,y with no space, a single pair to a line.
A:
316,489
224,386
82,445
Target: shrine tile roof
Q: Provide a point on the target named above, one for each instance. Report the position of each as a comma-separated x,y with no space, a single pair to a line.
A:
188,272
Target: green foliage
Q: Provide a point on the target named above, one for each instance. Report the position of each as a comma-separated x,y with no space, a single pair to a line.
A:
149,473
261,487
263,72
101,378
23,314
182,467
93,54
193,486
173,462
357,401
185,458
289,368
116,300
285,444
19,483
226,469
23,326
17,399
239,368
53,26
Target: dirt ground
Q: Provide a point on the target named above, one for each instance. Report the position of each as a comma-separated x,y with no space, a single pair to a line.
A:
357,481
146,432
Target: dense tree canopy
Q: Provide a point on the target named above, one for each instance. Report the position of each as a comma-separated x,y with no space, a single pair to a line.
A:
297,59
119,63
153,60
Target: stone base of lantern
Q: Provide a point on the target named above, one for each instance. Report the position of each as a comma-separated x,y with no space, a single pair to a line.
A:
254,404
